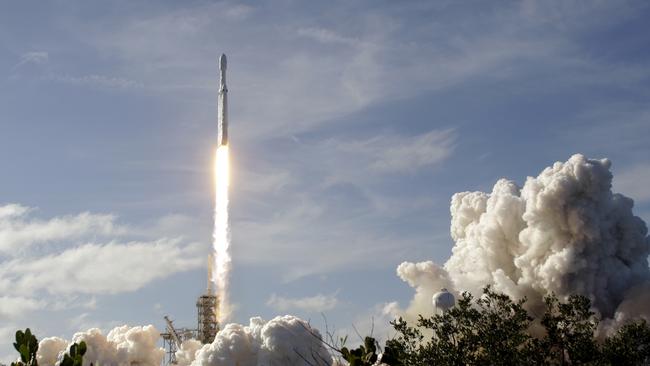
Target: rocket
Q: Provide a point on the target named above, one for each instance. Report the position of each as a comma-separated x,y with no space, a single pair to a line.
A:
222,119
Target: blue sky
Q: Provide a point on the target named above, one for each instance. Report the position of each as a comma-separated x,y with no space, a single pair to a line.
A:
352,124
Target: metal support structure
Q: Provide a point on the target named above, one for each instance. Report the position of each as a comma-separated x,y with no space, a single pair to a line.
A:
208,326
173,338
170,349
207,307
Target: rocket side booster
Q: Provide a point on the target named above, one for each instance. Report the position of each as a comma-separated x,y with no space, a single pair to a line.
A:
222,121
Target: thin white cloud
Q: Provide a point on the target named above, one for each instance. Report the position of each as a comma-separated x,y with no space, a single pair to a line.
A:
315,304
358,67
182,226
12,307
85,255
238,11
18,230
325,35
100,269
95,80
34,57
73,301
13,210
395,154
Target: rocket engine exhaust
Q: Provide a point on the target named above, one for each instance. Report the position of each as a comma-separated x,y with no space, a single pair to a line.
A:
221,235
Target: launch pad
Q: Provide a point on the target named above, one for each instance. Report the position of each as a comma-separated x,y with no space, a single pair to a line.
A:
207,306
207,310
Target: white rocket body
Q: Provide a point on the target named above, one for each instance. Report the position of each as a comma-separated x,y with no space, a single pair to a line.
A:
222,119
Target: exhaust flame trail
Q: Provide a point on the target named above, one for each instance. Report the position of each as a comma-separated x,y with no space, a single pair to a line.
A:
221,235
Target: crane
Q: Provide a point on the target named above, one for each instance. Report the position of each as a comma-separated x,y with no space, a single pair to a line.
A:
173,338
172,332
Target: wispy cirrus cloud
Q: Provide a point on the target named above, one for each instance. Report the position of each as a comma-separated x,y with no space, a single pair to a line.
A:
315,304
325,35
95,80
398,154
33,57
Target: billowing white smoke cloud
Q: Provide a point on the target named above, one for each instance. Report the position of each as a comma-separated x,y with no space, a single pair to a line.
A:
564,232
282,341
122,346
427,278
49,350
187,351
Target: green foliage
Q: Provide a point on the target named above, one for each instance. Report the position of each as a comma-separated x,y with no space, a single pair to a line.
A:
26,344
487,330
365,355
570,330
75,356
629,346
494,330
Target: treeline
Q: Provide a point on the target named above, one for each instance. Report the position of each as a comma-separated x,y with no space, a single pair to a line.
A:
495,330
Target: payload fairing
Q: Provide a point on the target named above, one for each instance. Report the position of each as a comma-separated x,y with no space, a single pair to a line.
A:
222,121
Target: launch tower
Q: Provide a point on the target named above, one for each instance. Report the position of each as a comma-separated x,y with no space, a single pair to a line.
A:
207,308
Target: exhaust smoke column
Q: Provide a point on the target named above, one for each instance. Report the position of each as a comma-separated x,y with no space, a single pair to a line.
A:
221,236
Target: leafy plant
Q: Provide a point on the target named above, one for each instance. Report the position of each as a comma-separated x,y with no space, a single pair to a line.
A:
365,355
75,356
27,345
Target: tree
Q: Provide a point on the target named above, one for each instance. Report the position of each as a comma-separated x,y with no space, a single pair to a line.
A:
488,330
629,346
495,330
570,330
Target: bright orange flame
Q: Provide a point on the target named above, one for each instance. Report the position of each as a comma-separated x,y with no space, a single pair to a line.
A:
221,235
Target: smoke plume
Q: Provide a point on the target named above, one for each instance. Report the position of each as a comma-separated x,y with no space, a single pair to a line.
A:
122,346
221,236
563,232
284,340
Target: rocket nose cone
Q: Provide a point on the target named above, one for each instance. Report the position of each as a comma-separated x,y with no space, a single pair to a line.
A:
222,62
